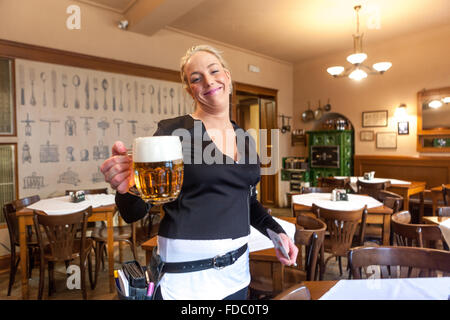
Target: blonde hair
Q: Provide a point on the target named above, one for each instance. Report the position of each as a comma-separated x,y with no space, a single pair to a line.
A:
193,50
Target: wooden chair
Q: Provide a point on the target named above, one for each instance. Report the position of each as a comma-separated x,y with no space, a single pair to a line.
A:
310,234
446,195
296,292
9,212
341,226
90,191
316,189
371,189
63,245
399,262
415,235
443,211
335,183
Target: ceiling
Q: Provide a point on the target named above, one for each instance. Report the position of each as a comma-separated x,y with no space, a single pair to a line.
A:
288,30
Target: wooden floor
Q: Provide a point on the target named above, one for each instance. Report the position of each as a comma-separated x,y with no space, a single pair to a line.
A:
101,292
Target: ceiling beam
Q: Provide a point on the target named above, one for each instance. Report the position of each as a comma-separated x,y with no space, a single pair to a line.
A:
149,16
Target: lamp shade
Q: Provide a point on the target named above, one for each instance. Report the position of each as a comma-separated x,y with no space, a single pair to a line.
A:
335,71
435,104
400,113
357,58
382,66
357,75
446,100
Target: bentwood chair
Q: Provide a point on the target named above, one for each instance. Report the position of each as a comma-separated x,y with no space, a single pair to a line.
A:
446,195
415,235
63,245
9,212
371,189
341,226
399,262
335,183
296,292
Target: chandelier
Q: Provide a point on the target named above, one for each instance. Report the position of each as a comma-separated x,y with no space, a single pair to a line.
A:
358,70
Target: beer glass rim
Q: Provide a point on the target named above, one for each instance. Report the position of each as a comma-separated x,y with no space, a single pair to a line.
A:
157,148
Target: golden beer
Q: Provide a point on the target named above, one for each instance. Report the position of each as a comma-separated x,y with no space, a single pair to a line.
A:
158,168
159,182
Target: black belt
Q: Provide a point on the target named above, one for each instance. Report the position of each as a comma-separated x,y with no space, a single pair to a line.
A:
218,262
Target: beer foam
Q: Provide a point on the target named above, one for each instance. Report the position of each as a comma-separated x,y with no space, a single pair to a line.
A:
157,149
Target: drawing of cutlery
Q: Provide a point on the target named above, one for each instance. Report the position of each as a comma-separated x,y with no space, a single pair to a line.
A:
86,91
159,100
172,94
76,82
22,84
143,97
120,90
113,89
95,86
129,96
33,99
151,90
64,84
136,96
54,87
165,99
44,97
105,87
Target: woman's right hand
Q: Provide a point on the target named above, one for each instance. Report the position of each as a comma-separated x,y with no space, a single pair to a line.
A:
118,168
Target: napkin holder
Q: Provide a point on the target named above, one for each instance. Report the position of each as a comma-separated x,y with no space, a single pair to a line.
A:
369,175
77,196
339,195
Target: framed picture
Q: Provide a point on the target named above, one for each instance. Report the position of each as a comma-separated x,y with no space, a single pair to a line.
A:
386,140
7,109
366,135
403,127
375,119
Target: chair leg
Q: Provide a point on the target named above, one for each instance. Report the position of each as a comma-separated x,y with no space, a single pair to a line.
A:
98,255
51,278
340,266
31,257
91,277
13,268
83,276
41,280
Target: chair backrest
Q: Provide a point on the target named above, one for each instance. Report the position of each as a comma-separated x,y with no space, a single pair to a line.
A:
89,191
333,182
342,226
310,232
446,195
371,189
399,262
316,189
391,200
414,235
443,211
296,292
61,231
9,212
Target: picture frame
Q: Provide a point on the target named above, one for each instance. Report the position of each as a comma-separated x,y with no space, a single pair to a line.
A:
375,118
403,127
386,140
366,135
7,98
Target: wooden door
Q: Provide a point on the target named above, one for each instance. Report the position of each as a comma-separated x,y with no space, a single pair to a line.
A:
268,117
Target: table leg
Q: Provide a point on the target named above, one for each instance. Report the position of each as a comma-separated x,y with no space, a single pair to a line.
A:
422,206
386,229
434,197
110,244
23,257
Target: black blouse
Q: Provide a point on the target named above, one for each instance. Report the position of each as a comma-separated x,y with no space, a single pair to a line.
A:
218,198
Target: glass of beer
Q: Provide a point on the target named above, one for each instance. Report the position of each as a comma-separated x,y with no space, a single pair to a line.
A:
157,168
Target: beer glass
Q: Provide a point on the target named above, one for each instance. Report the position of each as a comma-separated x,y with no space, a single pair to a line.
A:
157,168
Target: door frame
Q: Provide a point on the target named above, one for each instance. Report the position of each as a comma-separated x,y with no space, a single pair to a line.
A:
261,92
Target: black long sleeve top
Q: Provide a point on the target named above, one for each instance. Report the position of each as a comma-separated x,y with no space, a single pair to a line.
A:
218,198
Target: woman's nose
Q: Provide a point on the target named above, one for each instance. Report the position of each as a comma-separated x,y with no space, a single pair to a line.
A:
209,80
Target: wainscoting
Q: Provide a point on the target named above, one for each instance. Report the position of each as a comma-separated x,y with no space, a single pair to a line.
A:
434,170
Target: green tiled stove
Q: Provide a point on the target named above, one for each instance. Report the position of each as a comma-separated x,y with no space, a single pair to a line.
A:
330,153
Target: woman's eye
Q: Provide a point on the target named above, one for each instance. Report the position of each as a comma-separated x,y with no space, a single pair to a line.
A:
195,80
214,71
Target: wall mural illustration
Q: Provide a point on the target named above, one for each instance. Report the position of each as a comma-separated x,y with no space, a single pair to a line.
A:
68,118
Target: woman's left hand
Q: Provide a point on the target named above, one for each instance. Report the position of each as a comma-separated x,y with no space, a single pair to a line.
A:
290,248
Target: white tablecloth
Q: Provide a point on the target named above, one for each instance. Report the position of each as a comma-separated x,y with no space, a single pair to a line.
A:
355,201
63,205
258,241
390,289
374,180
445,229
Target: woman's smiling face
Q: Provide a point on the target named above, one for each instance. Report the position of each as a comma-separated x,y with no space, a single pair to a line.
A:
209,82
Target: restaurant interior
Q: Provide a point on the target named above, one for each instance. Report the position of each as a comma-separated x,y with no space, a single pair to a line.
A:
348,101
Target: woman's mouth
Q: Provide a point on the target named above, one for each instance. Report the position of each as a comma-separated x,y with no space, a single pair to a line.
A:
212,91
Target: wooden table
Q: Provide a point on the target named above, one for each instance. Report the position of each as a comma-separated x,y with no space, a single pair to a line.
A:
436,193
25,218
318,288
407,190
434,219
379,215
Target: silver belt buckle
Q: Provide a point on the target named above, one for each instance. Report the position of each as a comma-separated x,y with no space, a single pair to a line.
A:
215,262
